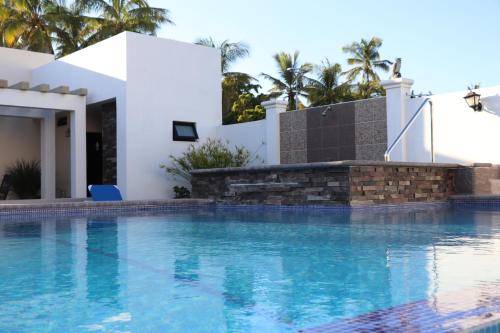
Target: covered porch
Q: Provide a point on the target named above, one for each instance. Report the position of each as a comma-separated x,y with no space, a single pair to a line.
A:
45,106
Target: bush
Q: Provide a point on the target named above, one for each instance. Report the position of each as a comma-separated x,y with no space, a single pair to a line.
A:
181,192
25,179
212,154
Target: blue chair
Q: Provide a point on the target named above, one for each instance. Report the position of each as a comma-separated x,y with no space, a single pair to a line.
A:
105,193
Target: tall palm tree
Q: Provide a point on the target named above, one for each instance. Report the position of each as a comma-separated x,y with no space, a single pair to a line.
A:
365,58
29,24
230,51
74,29
326,88
291,77
116,16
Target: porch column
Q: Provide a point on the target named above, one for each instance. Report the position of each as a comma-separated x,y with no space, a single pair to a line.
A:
273,109
48,156
398,93
78,153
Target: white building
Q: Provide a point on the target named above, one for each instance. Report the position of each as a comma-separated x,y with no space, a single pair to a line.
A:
115,111
138,86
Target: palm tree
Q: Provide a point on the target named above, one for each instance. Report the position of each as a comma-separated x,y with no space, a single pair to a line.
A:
327,89
116,16
74,29
291,78
365,57
29,24
230,51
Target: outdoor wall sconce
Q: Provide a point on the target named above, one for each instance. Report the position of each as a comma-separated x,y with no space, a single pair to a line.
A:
473,100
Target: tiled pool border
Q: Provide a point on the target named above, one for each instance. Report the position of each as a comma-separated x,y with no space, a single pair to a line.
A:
80,208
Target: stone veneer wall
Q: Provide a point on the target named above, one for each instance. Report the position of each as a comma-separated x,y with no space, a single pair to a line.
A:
348,183
109,143
349,131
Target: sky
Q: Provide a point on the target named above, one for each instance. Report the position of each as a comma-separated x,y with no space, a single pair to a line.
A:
445,45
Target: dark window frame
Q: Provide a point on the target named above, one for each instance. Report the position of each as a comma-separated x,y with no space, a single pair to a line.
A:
177,137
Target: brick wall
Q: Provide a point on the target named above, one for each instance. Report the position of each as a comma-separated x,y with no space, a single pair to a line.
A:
345,131
347,183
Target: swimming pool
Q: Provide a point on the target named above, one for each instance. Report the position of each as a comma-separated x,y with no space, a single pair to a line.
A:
239,270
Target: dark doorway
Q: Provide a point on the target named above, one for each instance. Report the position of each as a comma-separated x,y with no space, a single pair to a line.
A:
94,158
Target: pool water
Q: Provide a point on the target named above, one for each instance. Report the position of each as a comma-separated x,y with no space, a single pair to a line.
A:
235,270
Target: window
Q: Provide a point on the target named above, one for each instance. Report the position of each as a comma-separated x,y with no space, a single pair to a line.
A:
184,131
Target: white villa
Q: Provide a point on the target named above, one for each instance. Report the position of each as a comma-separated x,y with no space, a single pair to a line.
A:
113,112
137,87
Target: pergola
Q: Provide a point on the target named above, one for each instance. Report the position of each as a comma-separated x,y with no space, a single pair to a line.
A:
42,102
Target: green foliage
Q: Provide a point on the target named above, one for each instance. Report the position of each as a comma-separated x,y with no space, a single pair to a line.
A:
214,153
182,192
230,51
247,108
365,58
326,88
291,77
25,179
234,85
51,25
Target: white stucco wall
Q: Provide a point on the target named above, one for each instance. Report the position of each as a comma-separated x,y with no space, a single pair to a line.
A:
251,135
17,65
460,134
19,139
166,81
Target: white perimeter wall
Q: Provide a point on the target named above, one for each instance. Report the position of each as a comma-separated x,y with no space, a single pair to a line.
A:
166,81
251,135
460,134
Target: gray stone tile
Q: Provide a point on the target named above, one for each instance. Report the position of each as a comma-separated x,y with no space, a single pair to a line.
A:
285,121
364,133
378,151
315,155
363,112
345,113
299,156
364,152
285,157
298,140
314,139
380,132
379,110
347,153
313,118
286,141
330,137
299,120
346,135
330,154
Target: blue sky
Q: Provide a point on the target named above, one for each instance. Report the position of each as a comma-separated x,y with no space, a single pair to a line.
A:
445,44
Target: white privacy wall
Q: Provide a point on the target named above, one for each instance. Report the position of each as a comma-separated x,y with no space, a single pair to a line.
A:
251,135
166,81
460,134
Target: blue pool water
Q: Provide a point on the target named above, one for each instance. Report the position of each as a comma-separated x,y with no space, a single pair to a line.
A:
236,270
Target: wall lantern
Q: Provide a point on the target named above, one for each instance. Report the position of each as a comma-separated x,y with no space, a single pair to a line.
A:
473,100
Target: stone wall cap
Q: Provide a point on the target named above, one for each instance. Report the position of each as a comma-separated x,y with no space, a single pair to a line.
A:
322,165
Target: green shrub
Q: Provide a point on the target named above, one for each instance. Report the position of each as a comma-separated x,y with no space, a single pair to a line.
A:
214,153
25,178
181,192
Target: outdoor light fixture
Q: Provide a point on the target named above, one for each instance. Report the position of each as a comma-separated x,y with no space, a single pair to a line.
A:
473,100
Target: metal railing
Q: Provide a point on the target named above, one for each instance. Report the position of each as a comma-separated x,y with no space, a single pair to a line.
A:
387,155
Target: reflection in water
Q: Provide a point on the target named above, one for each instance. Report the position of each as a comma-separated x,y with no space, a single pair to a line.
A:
103,283
238,271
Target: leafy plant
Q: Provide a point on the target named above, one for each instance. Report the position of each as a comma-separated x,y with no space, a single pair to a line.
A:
25,178
214,153
181,192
